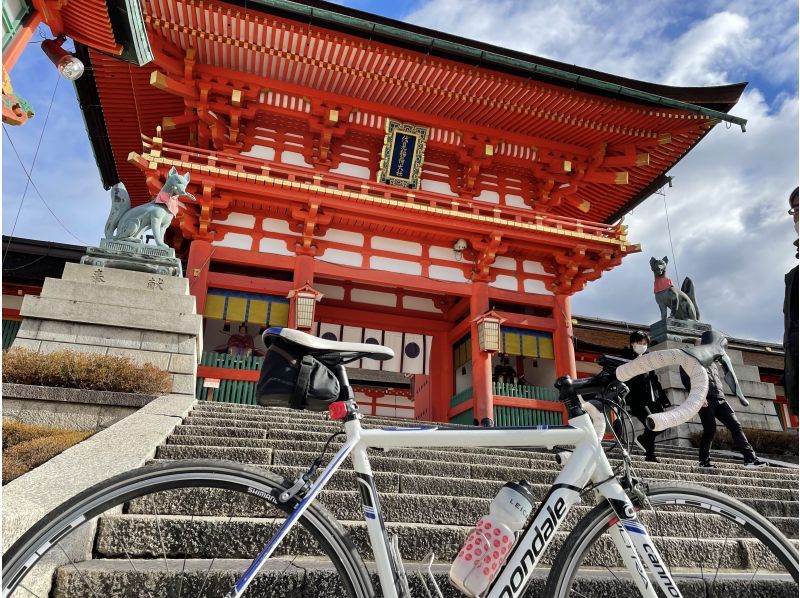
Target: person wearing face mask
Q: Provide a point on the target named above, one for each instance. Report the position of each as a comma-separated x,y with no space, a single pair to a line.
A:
646,395
790,317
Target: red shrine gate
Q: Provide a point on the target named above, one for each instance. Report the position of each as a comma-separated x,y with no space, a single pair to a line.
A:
508,181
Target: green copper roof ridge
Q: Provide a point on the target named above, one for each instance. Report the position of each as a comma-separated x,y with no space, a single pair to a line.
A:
433,42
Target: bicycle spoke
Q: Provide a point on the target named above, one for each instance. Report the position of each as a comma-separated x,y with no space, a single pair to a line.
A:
77,570
208,571
30,591
183,568
160,536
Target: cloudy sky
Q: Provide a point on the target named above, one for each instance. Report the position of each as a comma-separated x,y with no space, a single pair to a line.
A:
727,206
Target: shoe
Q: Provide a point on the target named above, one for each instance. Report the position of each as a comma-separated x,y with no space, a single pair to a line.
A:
640,443
651,459
707,464
755,464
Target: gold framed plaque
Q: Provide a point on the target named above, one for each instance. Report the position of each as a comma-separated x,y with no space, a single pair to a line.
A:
403,154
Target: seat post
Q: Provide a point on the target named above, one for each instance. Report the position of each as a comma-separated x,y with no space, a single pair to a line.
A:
341,373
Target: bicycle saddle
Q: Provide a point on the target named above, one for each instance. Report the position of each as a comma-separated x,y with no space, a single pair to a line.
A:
316,346
712,349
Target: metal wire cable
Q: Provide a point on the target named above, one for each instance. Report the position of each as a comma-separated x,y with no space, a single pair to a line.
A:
663,194
33,164
39,193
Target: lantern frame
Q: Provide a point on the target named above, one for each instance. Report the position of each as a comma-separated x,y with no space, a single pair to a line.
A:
304,302
489,331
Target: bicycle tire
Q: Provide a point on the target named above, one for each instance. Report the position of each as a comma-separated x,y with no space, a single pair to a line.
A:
564,573
253,484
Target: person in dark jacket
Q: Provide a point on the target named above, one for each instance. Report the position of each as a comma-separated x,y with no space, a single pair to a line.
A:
790,318
717,408
646,395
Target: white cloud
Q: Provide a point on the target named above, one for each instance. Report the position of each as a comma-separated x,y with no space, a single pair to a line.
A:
727,209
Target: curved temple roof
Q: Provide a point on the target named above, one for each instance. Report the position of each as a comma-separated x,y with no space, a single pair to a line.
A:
617,137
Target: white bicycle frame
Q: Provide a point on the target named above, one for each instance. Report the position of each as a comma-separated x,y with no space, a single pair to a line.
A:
588,463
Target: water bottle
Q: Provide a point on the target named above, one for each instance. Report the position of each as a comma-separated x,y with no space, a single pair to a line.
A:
490,542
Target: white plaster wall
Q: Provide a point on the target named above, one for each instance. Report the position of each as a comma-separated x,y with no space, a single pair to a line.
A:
442,253
504,282
505,263
355,170
536,286
345,258
489,196
330,291
396,245
276,246
12,301
515,201
261,151
294,159
445,273
463,377
238,219
274,225
420,304
374,297
533,267
437,187
235,240
392,265
344,236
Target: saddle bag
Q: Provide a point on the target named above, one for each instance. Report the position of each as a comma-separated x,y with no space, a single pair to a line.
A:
291,378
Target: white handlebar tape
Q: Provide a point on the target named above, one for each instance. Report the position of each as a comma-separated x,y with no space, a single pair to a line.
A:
660,359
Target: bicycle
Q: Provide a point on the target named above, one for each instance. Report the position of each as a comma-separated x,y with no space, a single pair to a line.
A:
609,543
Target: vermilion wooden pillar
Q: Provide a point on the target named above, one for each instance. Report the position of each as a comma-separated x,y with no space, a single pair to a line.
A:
562,337
197,268
442,376
482,394
303,274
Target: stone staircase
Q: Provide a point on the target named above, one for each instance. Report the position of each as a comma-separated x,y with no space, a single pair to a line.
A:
430,498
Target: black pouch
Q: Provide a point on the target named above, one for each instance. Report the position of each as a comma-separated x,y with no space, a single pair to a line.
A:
293,379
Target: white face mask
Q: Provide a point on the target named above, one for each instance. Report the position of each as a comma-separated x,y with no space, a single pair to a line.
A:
639,349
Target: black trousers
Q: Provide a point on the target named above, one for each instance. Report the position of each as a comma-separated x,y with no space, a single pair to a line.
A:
648,436
720,410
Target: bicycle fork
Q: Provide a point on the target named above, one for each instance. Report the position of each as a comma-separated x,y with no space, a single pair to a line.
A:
636,549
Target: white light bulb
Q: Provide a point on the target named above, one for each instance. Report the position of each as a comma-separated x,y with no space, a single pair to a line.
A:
70,68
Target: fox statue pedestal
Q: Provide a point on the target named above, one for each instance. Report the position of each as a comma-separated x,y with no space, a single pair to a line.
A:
677,330
148,317
132,255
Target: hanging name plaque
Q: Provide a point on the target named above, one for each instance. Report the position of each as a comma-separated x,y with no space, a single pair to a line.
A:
403,154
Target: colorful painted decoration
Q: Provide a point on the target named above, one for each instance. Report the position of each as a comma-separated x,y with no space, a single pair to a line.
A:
403,154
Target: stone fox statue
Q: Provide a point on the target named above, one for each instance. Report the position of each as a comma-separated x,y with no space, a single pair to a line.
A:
681,302
156,215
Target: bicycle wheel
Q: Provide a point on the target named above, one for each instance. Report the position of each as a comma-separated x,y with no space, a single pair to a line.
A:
714,546
186,528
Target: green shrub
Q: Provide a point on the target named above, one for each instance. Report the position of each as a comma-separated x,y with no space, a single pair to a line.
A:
71,369
25,447
767,442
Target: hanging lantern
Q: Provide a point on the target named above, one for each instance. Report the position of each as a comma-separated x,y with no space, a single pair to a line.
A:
489,331
305,299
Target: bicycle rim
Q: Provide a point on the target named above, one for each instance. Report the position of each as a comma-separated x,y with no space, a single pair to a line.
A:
187,528
715,546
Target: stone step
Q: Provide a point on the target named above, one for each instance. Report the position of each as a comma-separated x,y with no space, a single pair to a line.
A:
136,536
267,420
410,508
465,473
311,432
389,482
314,578
655,471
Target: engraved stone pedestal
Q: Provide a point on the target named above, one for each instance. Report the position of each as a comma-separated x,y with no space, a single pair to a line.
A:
129,255
673,329
147,317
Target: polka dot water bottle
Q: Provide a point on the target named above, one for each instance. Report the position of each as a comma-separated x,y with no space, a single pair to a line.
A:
490,542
